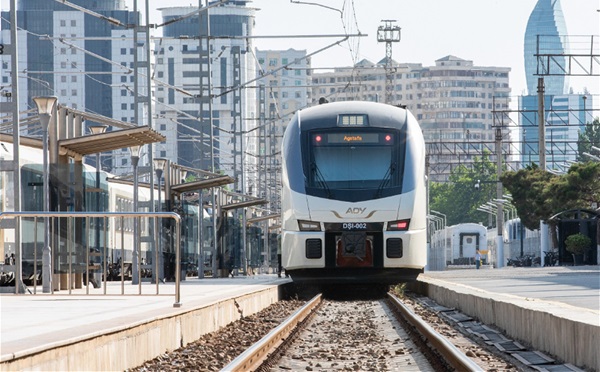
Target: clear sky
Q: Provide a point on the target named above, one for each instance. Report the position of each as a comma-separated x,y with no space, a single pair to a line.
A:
488,32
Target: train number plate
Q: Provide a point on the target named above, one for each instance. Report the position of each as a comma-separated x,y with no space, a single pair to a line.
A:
352,226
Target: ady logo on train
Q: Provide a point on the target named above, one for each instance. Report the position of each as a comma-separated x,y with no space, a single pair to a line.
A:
355,210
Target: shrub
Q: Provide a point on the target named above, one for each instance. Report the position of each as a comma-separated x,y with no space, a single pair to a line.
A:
578,243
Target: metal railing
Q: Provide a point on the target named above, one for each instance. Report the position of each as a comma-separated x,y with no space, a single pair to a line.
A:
113,221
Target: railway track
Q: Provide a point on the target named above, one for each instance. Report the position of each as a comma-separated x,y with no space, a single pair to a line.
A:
353,335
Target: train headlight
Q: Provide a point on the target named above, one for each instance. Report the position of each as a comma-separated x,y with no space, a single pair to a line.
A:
400,225
309,225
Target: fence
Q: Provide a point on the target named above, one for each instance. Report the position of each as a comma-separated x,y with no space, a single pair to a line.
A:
69,234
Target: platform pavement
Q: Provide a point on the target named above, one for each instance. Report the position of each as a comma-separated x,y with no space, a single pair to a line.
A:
577,286
35,322
555,310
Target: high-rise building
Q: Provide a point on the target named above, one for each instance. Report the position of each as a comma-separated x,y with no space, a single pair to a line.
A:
546,33
66,53
564,114
284,89
53,44
453,101
564,119
198,77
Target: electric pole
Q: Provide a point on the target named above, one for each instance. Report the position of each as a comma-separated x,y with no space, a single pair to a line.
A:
388,34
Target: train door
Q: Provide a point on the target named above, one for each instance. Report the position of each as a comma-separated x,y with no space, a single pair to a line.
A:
469,243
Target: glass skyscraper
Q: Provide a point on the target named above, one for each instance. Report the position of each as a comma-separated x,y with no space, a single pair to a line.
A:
55,68
547,22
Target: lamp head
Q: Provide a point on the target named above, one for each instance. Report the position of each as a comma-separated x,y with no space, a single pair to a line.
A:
97,129
160,163
45,104
135,150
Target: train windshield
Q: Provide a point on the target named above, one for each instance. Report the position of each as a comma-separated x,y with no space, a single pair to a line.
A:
343,162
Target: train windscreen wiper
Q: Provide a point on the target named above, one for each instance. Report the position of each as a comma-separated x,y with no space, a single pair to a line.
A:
320,179
386,179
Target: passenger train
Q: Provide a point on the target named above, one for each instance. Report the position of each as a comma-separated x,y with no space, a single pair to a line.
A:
353,195
114,237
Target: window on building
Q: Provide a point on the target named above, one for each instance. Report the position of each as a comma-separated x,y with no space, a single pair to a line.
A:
123,92
73,51
284,94
298,72
63,92
273,62
63,79
63,23
123,51
298,94
73,64
73,23
74,92
284,61
163,127
63,50
123,106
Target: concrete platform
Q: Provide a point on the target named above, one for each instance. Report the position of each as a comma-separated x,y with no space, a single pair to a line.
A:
60,332
554,309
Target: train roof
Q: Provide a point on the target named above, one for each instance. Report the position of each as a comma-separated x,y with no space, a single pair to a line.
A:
326,115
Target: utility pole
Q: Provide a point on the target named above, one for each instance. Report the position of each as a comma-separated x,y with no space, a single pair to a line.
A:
541,123
499,192
388,34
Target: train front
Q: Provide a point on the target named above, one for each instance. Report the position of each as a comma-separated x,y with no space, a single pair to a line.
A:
353,195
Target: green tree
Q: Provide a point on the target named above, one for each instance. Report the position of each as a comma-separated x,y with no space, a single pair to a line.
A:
528,188
538,194
459,198
579,188
588,138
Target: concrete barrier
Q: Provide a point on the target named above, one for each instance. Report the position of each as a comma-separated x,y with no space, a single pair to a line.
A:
569,333
128,347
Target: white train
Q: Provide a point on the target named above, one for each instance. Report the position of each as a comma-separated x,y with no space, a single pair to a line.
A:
465,239
353,194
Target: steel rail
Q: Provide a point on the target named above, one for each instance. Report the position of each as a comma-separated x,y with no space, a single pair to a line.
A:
454,357
254,356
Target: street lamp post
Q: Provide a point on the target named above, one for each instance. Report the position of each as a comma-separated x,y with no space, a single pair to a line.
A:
98,129
135,158
45,106
159,167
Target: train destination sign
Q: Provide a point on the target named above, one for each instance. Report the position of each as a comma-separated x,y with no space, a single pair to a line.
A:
354,137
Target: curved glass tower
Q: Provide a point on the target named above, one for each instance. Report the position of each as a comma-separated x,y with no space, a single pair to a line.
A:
546,20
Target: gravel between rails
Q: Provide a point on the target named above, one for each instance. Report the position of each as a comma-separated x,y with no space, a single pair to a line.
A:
215,350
